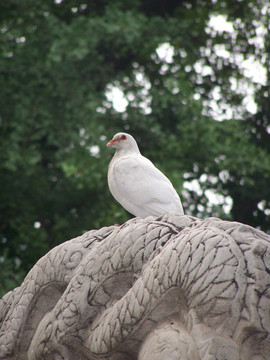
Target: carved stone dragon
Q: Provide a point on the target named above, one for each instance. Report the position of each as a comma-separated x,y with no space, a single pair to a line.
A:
168,288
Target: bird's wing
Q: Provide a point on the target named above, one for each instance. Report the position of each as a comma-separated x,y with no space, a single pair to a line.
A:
139,186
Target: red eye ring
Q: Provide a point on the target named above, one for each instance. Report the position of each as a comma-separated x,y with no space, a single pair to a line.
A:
123,137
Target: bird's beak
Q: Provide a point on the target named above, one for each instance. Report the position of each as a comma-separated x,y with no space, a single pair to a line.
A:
113,141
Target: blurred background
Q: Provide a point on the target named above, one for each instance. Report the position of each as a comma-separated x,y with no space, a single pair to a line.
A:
188,79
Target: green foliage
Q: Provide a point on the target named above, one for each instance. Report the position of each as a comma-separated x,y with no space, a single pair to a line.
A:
11,273
57,62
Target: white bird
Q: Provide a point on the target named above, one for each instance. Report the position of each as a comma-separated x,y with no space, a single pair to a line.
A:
136,183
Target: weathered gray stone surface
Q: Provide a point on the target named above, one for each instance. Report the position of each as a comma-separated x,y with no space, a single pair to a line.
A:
171,288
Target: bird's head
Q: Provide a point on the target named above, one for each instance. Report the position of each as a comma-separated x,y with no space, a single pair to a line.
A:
124,142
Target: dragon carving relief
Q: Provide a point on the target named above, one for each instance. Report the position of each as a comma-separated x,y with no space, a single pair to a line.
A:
168,288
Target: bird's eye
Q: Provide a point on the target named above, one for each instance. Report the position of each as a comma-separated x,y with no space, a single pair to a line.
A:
123,137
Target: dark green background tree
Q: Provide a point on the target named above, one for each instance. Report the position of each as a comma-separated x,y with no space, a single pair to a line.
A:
60,60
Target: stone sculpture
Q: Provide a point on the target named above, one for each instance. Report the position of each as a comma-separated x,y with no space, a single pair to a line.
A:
167,288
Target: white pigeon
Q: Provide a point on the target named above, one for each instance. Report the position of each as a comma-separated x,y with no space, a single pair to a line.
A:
136,183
